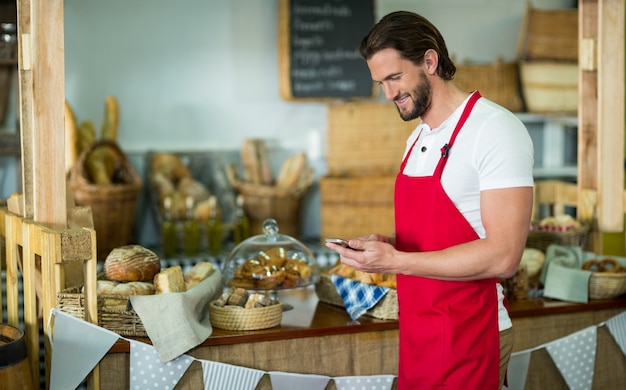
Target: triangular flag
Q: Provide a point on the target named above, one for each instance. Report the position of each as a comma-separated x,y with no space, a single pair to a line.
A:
77,347
221,376
617,327
575,357
369,382
518,370
289,381
147,371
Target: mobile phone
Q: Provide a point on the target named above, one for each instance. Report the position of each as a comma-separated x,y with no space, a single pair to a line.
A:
341,242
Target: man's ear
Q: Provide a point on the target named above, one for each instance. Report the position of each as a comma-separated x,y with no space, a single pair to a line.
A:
431,60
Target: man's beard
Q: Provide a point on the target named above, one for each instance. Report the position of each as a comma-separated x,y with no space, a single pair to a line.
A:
421,102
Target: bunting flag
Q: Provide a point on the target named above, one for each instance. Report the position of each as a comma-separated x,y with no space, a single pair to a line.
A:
289,381
518,370
148,371
369,382
221,376
74,357
617,328
575,357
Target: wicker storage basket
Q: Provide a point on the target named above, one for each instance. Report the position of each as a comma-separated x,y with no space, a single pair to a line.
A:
541,239
549,86
238,318
365,139
498,82
385,309
606,285
123,322
549,34
352,207
113,206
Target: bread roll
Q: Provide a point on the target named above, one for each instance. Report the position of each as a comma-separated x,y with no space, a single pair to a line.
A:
170,280
188,186
197,274
131,263
170,165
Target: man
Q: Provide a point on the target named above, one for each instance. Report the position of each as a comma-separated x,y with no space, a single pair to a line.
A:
463,200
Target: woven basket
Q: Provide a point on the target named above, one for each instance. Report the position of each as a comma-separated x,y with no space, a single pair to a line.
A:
606,285
498,81
541,239
356,206
237,318
385,309
365,139
282,204
113,206
122,322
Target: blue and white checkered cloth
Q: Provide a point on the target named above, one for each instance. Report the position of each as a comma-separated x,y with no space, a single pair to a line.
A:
358,297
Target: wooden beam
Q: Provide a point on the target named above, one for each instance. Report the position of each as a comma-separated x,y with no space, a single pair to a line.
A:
42,97
611,115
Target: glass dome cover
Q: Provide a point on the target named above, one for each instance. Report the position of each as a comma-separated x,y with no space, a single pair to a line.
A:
270,261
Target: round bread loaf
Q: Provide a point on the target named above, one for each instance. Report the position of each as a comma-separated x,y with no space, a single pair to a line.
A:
131,263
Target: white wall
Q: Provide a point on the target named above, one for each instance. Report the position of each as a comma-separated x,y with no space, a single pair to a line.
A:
199,74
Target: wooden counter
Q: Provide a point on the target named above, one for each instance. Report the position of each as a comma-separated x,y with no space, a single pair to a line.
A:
317,338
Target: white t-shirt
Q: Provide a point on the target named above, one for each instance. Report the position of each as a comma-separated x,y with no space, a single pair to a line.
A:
492,150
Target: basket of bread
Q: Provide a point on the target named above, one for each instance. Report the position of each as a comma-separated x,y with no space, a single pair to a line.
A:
562,230
131,270
386,308
239,309
102,177
608,278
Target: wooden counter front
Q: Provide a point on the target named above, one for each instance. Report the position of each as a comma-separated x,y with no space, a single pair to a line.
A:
317,338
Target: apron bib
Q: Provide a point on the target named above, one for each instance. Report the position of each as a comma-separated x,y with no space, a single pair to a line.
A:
448,329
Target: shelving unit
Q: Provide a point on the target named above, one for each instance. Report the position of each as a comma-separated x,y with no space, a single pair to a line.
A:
555,141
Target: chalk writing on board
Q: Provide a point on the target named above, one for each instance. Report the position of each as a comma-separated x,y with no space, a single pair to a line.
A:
324,40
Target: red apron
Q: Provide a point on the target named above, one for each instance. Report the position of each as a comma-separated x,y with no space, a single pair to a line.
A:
448,329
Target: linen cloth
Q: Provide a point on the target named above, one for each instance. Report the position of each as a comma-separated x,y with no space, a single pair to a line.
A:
177,322
358,297
562,275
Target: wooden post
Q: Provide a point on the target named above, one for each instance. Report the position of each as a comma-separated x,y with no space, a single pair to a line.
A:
601,113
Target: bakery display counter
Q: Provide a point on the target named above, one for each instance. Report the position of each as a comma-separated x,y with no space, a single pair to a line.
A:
318,338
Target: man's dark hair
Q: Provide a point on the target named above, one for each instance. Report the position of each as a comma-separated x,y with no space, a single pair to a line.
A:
411,35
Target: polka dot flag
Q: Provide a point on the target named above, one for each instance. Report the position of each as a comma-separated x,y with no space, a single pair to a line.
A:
575,357
372,382
147,371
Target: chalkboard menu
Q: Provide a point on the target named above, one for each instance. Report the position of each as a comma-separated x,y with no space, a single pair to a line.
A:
318,49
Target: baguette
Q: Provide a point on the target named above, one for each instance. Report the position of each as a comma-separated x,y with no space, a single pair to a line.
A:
110,122
291,170
86,136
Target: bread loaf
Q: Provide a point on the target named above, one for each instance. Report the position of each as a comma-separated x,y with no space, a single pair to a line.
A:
131,263
197,274
170,280
111,288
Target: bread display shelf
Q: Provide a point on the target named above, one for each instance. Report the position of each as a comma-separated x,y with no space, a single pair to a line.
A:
385,309
123,322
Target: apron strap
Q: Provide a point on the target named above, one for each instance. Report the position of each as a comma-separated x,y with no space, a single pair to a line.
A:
445,150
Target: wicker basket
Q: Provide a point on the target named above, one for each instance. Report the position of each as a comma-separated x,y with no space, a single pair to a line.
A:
497,81
385,309
123,322
541,239
238,318
365,139
606,285
356,206
113,206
